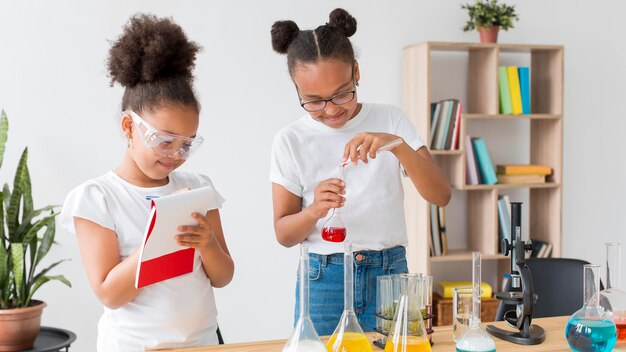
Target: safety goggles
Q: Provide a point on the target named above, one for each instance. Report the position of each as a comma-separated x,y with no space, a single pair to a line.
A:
164,143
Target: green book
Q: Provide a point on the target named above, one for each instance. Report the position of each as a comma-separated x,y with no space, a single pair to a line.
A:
505,94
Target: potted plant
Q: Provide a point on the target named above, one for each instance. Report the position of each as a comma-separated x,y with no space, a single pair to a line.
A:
26,235
488,17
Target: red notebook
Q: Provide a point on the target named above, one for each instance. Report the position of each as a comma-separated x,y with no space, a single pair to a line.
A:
161,258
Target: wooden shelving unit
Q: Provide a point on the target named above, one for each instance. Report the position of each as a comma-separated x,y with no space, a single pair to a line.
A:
482,104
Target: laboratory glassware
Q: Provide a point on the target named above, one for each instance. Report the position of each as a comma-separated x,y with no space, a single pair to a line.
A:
612,298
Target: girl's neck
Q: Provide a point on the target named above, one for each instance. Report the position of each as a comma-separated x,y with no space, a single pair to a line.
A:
131,173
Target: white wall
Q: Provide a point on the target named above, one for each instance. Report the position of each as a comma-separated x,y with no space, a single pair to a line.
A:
54,88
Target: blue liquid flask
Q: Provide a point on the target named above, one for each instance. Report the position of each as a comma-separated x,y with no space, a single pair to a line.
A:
591,328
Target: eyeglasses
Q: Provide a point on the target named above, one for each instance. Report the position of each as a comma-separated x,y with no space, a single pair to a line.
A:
320,104
164,143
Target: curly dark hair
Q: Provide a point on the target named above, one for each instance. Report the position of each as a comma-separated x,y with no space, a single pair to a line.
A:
153,60
329,41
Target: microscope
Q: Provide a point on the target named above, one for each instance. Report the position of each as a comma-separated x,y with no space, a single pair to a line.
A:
520,292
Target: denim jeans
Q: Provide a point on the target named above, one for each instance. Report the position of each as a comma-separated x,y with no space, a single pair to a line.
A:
326,286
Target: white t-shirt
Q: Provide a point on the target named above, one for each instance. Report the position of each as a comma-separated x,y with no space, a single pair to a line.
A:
306,152
179,312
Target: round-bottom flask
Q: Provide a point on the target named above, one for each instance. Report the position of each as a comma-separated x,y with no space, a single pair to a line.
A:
591,328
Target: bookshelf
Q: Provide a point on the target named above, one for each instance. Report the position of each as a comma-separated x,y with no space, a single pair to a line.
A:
481,105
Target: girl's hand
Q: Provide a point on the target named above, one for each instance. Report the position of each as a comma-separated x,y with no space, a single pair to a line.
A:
365,144
198,236
328,195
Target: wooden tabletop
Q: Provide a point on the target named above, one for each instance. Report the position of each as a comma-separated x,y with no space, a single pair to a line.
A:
554,327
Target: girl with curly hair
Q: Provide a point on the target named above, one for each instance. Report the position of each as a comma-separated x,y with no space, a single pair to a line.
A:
153,60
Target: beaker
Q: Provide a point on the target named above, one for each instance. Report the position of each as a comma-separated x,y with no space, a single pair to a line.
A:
461,310
612,298
348,335
591,328
426,304
475,338
407,332
304,337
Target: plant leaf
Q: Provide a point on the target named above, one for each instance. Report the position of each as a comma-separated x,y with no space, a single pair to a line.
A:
46,243
32,232
13,211
42,280
4,134
7,195
45,271
17,257
26,222
27,204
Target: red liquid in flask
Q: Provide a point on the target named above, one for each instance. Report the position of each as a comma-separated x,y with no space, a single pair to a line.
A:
621,331
334,234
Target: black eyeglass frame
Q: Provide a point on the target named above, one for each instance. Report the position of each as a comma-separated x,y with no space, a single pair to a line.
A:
353,92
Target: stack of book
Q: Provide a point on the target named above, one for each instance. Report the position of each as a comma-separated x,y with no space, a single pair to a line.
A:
519,174
438,243
514,85
445,123
478,166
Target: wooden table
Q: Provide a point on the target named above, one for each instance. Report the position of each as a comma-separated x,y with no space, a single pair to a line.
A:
555,340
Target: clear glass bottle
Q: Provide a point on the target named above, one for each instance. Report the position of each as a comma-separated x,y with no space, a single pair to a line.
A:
407,332
591,328
348,335
304,337
475,338
612,298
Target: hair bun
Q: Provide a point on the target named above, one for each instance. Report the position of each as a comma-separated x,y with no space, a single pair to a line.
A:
283,34
151,49
341,20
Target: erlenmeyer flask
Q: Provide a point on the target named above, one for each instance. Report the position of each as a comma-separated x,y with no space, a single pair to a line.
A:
348,335
612,298
407,333
304,337
475,338
591,328
334,229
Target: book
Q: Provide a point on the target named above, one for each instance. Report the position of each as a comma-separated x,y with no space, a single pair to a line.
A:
433,123
524,85
444,122
434,230
457,127
471,168
516,97
504,219
161,257
444,288
487,172
520,179
505,94
453,118
523,169
442,230
539,248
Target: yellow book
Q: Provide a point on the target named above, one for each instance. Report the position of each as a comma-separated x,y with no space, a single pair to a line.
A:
444,288
520,179
516,95
524,169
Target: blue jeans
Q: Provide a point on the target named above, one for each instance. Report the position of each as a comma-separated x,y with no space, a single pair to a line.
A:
326,286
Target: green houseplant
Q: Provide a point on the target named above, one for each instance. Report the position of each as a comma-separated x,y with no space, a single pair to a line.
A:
26,236
488,17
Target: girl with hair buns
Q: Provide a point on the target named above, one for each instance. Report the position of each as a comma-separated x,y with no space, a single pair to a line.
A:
338,128
153,60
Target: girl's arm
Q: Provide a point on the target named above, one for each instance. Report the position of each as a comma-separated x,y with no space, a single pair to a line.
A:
425,174
208,239
293,224
419,165
112,279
